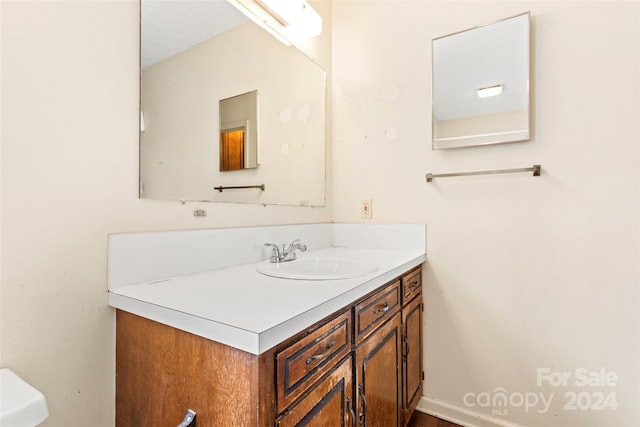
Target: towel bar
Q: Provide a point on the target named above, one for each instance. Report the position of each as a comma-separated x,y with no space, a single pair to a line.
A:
535,169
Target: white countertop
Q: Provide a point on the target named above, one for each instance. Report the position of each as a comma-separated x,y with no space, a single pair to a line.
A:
240,307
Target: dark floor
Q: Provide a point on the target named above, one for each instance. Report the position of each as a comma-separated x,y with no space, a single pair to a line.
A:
420,419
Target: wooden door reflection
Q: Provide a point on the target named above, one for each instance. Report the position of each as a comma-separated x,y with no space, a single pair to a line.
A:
232,150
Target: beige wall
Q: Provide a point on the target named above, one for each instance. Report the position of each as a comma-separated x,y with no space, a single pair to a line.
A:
69,178
523,272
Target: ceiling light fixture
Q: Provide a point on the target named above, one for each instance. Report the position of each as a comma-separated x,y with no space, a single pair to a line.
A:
486,92
286,20
261,18
297,16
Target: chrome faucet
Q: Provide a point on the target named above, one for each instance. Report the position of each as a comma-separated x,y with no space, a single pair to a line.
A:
287,253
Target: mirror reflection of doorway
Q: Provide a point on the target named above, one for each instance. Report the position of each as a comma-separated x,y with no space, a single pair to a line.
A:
232,149
238,117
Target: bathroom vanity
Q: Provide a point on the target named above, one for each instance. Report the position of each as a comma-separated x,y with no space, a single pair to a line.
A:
244,349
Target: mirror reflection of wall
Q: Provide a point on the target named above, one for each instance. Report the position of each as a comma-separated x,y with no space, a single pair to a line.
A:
180,145
239,132
481,85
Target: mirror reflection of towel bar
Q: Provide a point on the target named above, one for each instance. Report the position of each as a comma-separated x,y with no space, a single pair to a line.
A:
261,187
535,169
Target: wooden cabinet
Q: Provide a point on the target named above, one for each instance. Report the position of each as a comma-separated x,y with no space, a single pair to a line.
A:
361,366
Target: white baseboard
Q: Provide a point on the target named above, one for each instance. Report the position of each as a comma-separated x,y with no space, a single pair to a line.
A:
458,415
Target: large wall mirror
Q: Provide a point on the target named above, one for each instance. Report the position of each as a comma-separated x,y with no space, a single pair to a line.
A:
481,85
199,58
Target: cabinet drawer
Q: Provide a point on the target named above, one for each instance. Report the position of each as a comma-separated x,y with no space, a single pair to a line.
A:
301,363
411,285
373,311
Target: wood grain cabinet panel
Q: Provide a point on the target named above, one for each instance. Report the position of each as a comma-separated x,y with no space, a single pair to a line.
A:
378,377
161,372
328,403
412,376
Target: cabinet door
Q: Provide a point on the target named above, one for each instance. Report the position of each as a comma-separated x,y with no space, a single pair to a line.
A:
329,403
378,377
411,356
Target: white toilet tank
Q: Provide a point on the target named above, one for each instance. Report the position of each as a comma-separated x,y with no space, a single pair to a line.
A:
21,405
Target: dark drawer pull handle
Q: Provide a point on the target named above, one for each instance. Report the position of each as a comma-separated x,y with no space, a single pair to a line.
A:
383,309
351,411
321,355
364,404
413,284
406,346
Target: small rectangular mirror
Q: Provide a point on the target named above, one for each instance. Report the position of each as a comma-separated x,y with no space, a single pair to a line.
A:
480,86
239,132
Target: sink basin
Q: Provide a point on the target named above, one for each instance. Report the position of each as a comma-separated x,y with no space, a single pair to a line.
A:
317,269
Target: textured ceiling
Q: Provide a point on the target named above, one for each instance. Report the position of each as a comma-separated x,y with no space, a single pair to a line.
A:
171,26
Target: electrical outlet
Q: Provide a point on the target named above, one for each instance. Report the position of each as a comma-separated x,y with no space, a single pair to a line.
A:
365,209
199,213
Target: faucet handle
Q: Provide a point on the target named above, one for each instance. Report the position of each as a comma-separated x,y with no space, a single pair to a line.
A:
275,252
297,244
